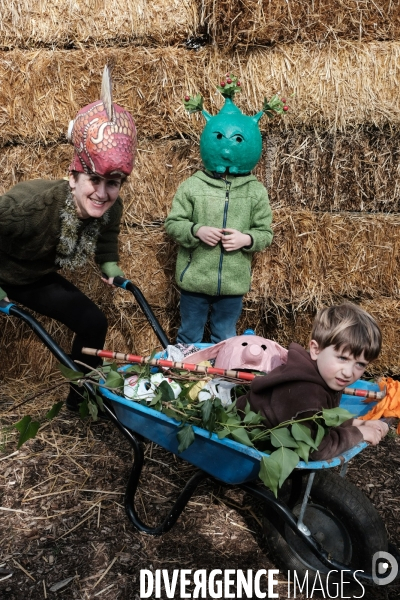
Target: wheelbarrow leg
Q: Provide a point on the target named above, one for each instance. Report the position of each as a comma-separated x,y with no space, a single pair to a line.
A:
177,508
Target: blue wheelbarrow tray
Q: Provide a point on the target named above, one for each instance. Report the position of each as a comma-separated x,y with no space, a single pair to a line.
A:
226,459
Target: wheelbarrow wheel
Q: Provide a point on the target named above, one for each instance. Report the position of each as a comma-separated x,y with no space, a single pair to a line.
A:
341,519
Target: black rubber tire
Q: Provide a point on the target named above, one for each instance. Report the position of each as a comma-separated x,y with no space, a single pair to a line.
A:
341,518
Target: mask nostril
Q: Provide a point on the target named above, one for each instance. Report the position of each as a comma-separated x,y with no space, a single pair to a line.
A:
263,346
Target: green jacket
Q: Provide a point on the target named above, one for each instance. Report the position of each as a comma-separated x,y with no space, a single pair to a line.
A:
238,203
30,231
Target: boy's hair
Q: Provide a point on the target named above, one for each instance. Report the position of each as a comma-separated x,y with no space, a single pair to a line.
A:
349,327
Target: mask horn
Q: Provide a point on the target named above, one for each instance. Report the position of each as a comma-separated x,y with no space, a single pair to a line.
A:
258,116
206,115
106,92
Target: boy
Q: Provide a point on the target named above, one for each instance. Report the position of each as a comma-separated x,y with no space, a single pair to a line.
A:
220,217
344,340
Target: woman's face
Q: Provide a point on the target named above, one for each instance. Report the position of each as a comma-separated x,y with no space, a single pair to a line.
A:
94,195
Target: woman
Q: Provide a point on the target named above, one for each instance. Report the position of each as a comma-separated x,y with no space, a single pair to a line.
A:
49,225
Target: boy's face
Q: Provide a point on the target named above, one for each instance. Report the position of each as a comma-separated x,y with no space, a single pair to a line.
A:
337,368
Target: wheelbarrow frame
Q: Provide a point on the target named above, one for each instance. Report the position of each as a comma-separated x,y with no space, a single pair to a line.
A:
251,486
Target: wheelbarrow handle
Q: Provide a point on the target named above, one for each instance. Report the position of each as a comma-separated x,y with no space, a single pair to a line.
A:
126,284
5,306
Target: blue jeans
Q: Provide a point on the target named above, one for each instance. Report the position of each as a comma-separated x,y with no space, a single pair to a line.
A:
194,307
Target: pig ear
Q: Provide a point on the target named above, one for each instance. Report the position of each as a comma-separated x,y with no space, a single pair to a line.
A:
258,116
206,115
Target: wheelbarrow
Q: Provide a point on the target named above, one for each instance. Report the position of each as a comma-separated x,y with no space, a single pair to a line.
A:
322,523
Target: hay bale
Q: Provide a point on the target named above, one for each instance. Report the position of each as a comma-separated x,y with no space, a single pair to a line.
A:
336,87
54,23
354,171
235,23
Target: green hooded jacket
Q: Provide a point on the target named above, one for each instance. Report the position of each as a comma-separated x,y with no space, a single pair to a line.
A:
235,202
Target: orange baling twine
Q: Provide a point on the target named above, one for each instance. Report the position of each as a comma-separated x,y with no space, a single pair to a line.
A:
389,406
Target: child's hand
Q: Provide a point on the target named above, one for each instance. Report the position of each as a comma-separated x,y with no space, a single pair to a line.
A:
379,425
370,434
209,235
234,240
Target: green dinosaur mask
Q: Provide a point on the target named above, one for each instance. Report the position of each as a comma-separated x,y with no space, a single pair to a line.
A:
231,142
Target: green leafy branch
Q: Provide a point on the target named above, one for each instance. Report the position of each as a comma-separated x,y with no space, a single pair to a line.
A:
284,445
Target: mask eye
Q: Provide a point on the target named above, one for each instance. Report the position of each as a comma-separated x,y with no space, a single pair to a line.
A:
219,136
239,139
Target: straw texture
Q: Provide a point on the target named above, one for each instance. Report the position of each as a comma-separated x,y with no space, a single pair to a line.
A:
336,87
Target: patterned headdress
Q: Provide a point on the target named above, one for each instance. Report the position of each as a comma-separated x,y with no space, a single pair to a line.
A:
103,135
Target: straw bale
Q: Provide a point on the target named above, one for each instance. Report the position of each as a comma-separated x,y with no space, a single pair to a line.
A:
335,86
56,23
320,257
352,171
236,23
159,169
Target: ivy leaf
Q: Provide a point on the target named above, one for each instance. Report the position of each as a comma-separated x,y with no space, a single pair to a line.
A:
282,437
114,380
70,373
287,460
185,437
206,411
269,474
255,432
241,435
167,393
303,450
335,416
27,428
301,433
53,412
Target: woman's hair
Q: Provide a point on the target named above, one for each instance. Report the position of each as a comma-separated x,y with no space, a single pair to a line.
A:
348,327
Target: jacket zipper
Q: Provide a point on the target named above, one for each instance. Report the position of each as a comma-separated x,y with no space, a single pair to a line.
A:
186,268
221,258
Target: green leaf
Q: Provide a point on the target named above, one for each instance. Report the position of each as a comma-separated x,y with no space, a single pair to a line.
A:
70,373
241,435
194,104
269,474
53,412
207,413
83,409
336,416
320,435
171,413
257,431
301,433
93,410
287,460
114,380
27,428
247,408
99,400
252,418
303,451
167,393
223,433
282,437
185,437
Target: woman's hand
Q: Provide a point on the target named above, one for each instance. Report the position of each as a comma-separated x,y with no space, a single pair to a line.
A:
234,239
108,281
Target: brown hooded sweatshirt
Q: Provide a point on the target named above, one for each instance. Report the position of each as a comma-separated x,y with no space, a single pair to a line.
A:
294,391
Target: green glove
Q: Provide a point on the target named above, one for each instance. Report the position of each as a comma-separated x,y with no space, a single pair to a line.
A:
111,269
